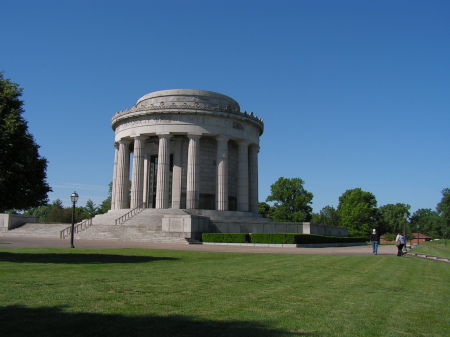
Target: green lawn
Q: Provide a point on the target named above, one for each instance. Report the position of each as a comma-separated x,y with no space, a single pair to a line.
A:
436,248
137,292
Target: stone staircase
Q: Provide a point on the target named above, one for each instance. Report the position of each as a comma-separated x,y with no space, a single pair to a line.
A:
38,230
143,227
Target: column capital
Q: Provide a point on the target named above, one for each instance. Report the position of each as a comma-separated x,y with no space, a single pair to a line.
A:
165,135
193,136
124,141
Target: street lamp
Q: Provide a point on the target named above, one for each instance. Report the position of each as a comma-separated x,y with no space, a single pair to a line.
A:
405,216
74,199
418,235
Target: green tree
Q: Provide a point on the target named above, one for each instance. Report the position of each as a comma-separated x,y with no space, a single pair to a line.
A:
328,216
41,213
315,217
264,209
105,206
22,171
443,209
429,221
357,211
390,236
392,218
90,209
56,212
292,201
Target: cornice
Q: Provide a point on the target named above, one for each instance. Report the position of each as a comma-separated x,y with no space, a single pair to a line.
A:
139,110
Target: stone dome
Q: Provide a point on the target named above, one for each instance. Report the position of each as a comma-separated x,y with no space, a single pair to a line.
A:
190,98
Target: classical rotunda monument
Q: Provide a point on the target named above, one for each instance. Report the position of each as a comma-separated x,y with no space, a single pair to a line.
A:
192,159
191,149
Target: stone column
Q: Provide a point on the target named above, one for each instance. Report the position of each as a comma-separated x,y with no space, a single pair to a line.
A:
137,181
193,173
254,149
222,174
243,192
176,174
113,188
123,175
162,179
145,188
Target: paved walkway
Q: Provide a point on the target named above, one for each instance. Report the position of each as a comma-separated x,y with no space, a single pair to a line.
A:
19,242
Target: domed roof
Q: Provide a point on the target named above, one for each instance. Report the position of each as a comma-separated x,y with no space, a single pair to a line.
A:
190,97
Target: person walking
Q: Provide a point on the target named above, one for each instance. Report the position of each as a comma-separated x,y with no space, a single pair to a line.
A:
375,241
400,242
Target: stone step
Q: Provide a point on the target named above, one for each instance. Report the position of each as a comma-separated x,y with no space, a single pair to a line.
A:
45,230
126,233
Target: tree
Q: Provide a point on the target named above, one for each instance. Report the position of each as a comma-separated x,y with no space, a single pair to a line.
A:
357,211
55,212
41,213
264,209
328,216
443,209
105,206
22,171
392,218
90,209
429,221
292,201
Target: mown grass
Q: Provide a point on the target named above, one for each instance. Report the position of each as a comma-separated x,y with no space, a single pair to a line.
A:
436,248
137,292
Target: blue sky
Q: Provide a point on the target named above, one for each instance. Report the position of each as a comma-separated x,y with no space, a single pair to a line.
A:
352,93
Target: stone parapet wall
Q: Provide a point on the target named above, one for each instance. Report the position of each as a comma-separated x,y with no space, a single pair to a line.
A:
11,221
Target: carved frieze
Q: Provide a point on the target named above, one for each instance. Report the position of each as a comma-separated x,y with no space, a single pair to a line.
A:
183,106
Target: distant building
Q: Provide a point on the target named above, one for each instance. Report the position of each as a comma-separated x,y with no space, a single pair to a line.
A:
418,238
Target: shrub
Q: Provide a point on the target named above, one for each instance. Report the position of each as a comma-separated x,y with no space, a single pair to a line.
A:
226,237
278,238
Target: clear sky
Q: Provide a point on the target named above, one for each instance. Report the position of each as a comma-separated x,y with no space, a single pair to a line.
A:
352,93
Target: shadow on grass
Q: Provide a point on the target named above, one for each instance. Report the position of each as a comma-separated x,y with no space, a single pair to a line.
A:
53,321
77,258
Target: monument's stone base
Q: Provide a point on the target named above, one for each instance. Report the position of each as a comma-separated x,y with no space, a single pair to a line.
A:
185,226
11,221
206,221
166,225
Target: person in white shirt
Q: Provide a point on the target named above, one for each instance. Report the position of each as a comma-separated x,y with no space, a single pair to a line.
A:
375,240
400,242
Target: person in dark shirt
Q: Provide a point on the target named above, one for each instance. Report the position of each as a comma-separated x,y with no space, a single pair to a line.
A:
375,241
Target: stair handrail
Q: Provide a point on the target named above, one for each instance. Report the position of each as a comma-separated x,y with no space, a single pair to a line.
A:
81,226
135,211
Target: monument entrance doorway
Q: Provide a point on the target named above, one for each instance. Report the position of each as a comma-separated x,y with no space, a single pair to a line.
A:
153,181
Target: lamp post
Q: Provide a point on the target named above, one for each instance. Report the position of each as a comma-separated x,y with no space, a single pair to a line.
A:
74,199
418,235
405,216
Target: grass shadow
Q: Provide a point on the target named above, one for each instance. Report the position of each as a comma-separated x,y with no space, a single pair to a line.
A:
54,321
77,258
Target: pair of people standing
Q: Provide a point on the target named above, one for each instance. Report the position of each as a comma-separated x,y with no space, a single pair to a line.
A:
400,242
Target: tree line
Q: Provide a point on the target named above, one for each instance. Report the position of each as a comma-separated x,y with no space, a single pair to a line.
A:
56,212
357,210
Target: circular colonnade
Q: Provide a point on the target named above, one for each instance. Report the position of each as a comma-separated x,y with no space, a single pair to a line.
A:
186,149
